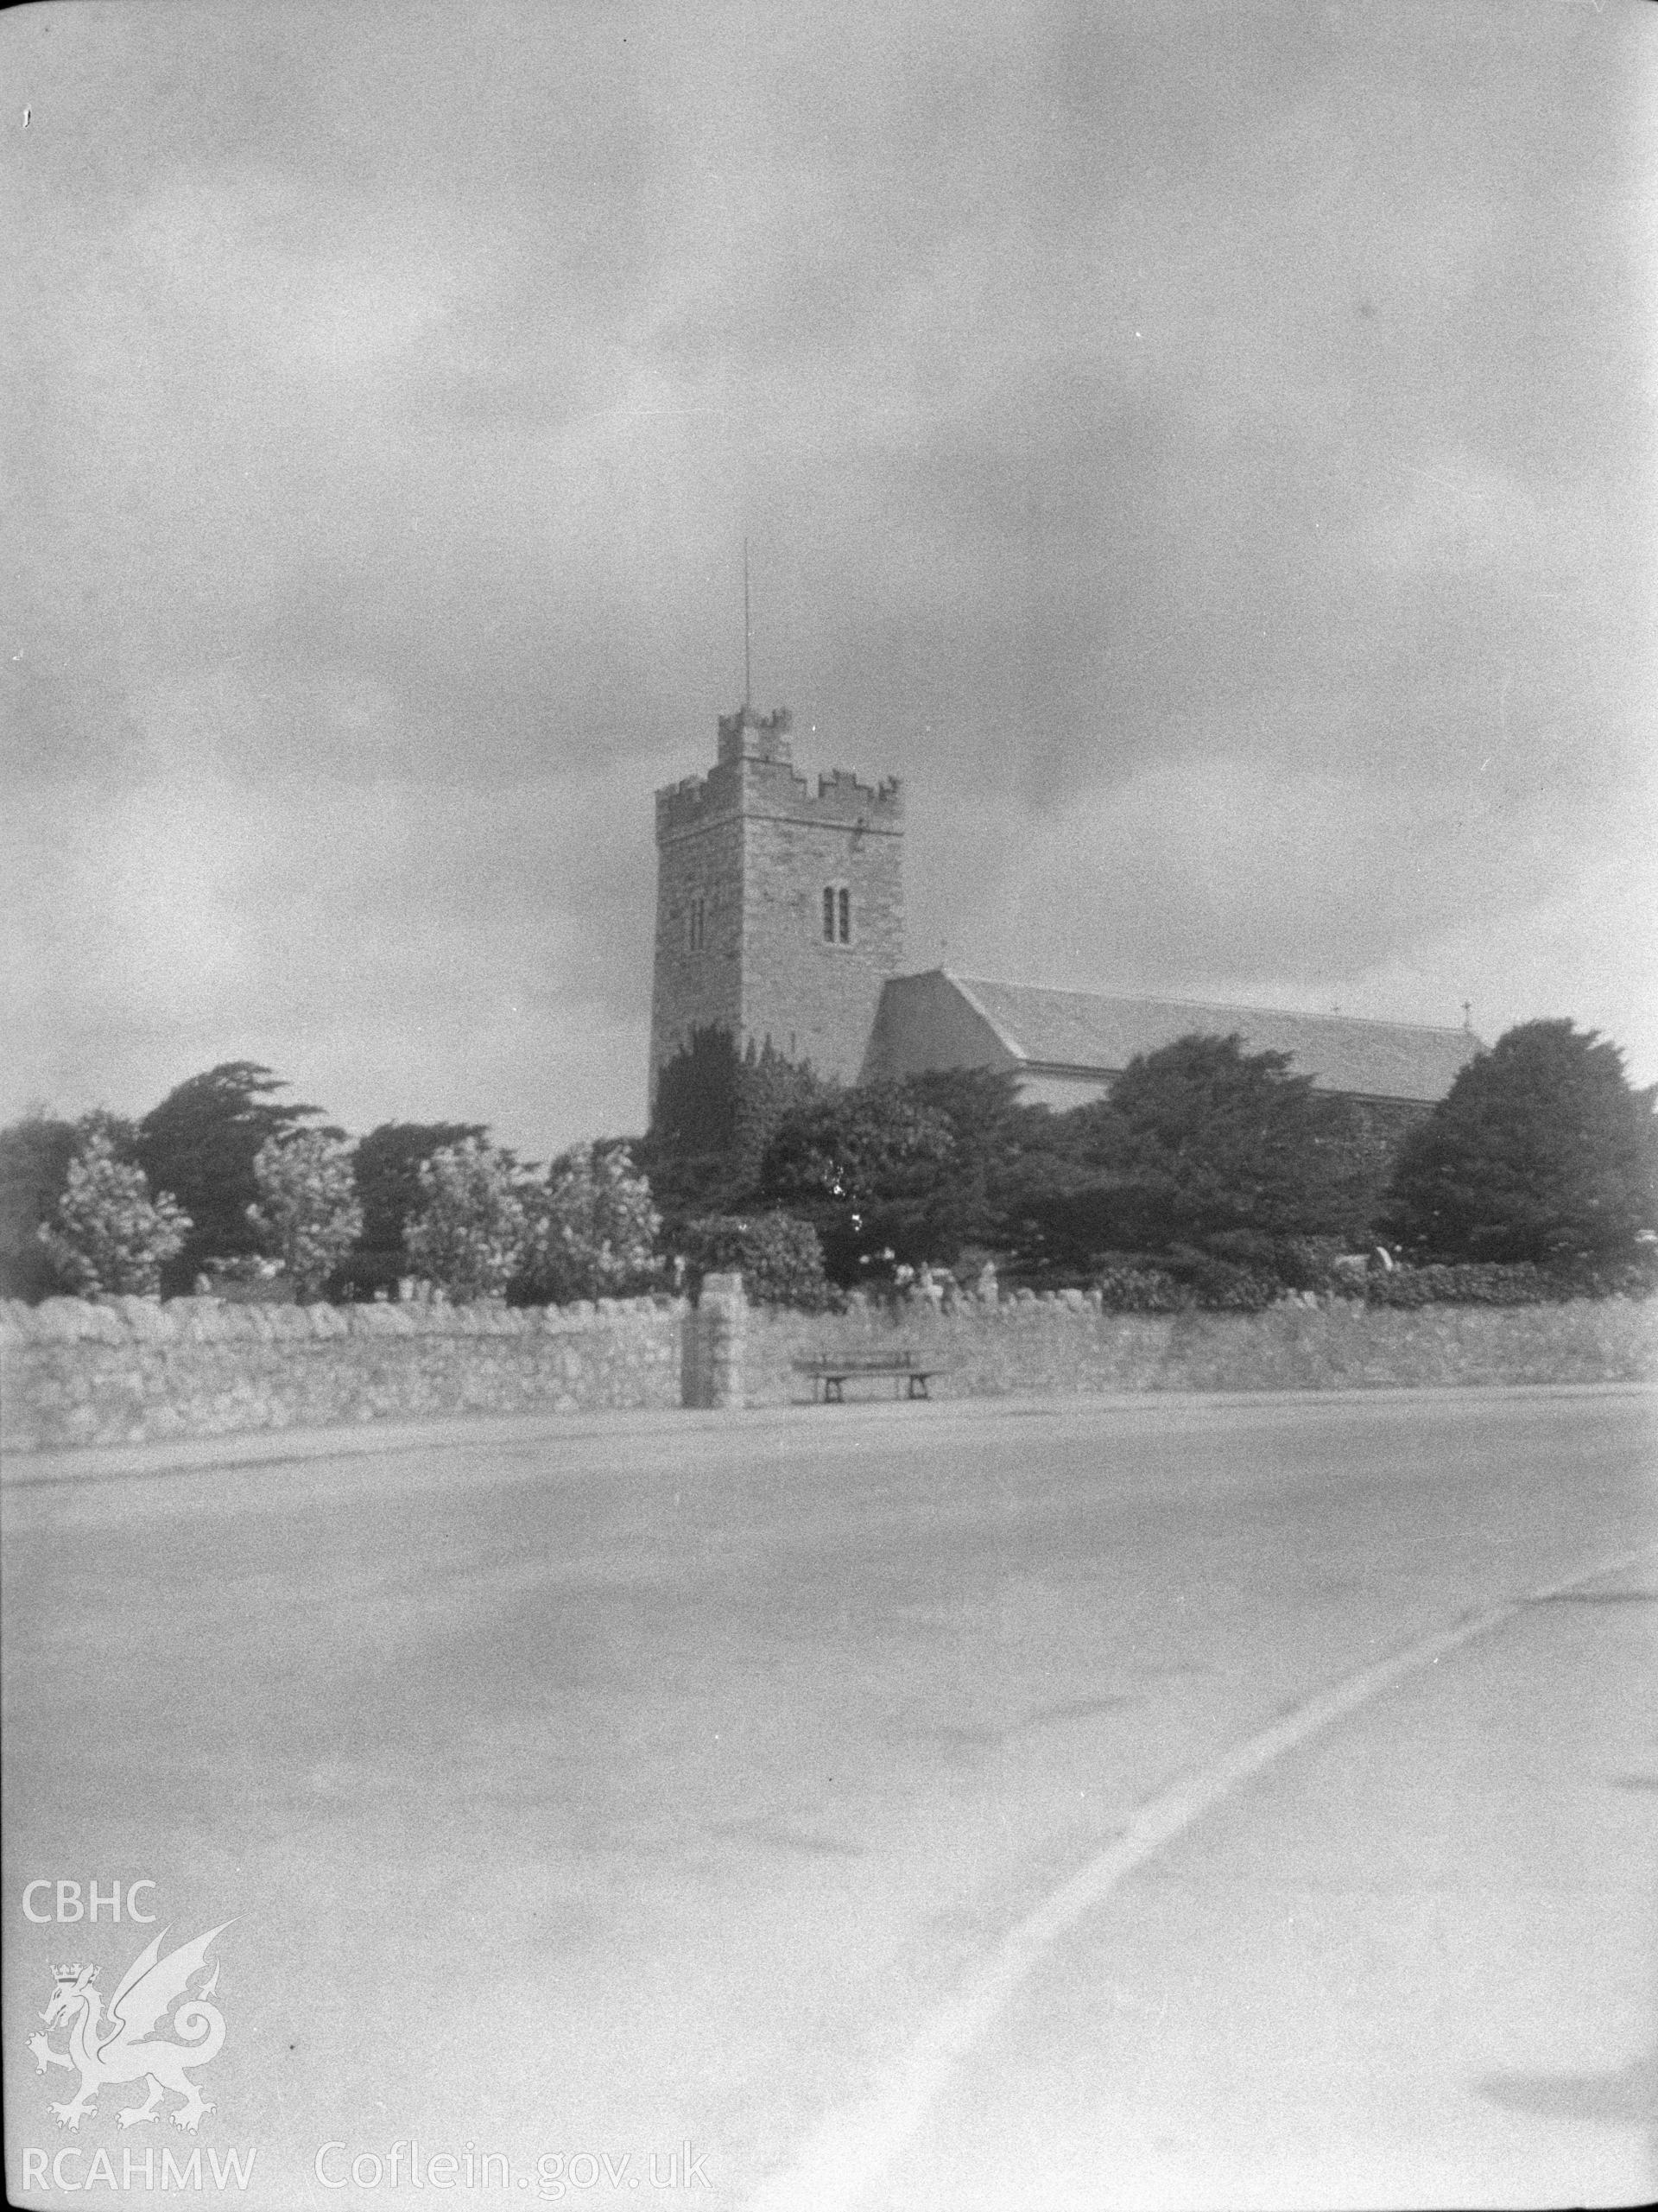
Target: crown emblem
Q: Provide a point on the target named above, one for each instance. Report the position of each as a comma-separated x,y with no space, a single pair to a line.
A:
74,1973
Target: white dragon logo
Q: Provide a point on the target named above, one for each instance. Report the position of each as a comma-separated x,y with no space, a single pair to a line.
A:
116,2051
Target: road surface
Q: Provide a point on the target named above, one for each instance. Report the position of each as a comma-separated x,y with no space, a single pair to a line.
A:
1173,1802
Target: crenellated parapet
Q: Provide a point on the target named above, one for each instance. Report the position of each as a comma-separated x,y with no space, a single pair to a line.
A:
842,800
754,775
747,735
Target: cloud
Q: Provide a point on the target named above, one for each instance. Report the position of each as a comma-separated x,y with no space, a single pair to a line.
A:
1203,449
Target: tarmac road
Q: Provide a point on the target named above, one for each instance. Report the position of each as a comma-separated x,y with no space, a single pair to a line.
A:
1152,1802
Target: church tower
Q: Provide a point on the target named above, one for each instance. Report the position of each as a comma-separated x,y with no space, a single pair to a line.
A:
780,910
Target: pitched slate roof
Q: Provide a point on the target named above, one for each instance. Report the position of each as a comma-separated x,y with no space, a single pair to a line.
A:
1082,1031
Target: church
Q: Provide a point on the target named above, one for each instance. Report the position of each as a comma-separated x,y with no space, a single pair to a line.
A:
780,917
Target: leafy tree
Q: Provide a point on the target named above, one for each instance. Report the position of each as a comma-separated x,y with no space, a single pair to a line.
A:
861,1165
307,1214
388,1173
107,1236
780,1259
995,1142
469,1236
768,1087
715,1111
34,1156
1227,1151
590,1229
201,1142
1203,1154
693,1114
1541,1150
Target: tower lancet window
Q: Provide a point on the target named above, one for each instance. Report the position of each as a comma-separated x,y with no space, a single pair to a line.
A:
836,914
696,926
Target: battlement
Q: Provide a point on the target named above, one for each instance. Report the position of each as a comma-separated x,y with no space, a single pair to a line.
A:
779,902
748,736
755,776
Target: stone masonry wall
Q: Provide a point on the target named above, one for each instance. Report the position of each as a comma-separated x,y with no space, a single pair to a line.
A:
817,1001
697,986
756,846
132,1369
1061,1344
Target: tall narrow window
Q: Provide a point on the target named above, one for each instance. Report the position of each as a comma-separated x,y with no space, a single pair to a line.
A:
695,929
828,913
845,906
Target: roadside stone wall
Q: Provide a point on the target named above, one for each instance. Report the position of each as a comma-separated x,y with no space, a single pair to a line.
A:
130,1370
1064,1344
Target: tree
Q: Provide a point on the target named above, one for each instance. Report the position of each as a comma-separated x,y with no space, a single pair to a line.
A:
693,1114
307,1214
107,1236
469,1235
388,1171
1541,1150
861,1166
1227,1151
715,1111
590,1229
993,1141
34,1156
201,1142
1204,1153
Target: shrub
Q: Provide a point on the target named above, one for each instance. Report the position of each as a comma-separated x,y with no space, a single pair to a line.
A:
108,1237
386,1167
1489,1282
308,1214
1188,1282
1223,1286
1128,1289
1633,1276
590,1230
469,1236
864,1166
780,1259
34,1156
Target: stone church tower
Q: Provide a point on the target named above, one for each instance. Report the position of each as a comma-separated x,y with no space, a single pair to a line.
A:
780,910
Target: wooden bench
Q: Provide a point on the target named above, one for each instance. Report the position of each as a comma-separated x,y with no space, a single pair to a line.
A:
834,1374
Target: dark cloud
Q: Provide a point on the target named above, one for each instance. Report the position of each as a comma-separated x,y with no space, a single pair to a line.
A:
1205,449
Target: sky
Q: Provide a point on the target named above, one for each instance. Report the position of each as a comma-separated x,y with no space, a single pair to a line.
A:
1207,451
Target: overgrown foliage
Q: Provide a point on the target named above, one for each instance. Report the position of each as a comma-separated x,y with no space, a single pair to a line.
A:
1520,1283
387,1167
715,1111
780,1258
34,1156
469,1236
107,1237
1539,1150
201,1142
861,1166
1202,1158
590,1230
307,1214
1209,1177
